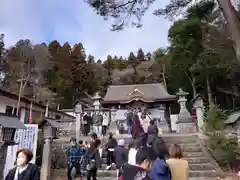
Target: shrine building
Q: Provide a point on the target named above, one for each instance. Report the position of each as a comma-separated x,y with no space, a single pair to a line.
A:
153,96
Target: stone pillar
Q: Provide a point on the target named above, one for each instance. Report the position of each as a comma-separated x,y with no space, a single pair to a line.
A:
78,111
162,123
162,114
185,124
46,160
112,123
46,110
22,115
46,154
198,104
113,114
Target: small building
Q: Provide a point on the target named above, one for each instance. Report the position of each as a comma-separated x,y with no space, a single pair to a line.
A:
152,96
8,127
50,128
233,124
8,106
87,103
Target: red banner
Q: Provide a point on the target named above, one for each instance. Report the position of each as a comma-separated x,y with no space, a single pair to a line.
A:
30,114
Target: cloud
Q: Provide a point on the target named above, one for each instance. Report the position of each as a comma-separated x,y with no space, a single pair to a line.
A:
74,21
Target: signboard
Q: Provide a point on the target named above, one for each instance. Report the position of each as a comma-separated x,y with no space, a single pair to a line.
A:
26,138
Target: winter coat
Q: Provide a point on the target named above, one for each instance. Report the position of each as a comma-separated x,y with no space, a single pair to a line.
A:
121,156
31,173
92,158
160,170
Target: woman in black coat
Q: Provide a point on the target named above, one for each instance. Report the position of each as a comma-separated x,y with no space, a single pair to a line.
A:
24,170
92,160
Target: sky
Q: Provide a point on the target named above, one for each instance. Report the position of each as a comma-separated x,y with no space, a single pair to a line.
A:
74,21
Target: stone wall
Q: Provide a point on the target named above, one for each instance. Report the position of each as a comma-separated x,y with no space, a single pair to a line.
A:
59,159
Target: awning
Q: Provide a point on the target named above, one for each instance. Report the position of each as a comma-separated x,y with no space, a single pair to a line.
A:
11,122
52,122
233,118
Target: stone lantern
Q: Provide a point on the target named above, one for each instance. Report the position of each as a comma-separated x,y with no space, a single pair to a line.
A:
185,124
161,121
96,101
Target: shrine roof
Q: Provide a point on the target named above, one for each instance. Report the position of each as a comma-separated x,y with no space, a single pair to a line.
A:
233,118
144,92
52,123
11,122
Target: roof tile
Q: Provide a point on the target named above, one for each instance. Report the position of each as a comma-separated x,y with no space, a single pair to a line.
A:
149,92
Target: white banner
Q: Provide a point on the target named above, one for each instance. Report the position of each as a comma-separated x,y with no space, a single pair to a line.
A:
26,138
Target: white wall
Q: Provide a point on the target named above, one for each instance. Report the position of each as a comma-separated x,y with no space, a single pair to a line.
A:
174,118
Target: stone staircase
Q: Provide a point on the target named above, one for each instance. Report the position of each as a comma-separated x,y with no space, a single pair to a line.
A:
201,163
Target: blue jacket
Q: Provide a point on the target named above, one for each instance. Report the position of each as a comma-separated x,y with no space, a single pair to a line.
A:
160,170
121,156
74,154
92,158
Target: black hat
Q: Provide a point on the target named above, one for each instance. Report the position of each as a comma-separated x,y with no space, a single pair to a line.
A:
73,139
93,135
145,153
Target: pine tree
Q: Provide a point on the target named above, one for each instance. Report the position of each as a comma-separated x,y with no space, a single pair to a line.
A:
140,55
134,62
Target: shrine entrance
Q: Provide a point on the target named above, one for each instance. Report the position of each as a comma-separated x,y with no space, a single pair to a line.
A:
137,104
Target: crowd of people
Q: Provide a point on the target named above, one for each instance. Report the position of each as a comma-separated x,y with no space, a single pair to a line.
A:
98,122
146,157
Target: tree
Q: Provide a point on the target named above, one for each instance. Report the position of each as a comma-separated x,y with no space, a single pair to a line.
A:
160,66
1,47
134,62
132,11
20,67
140,55
108,65
90,59
42,65
2,60
185,39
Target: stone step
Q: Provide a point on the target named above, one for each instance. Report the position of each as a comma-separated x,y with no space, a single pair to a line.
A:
201,167
182,145
195,157
169,139
60,174
198,173
193,154
191,178
197,160
193,167
191,149
208,173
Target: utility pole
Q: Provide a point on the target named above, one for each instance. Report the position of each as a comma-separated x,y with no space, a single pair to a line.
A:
231,15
